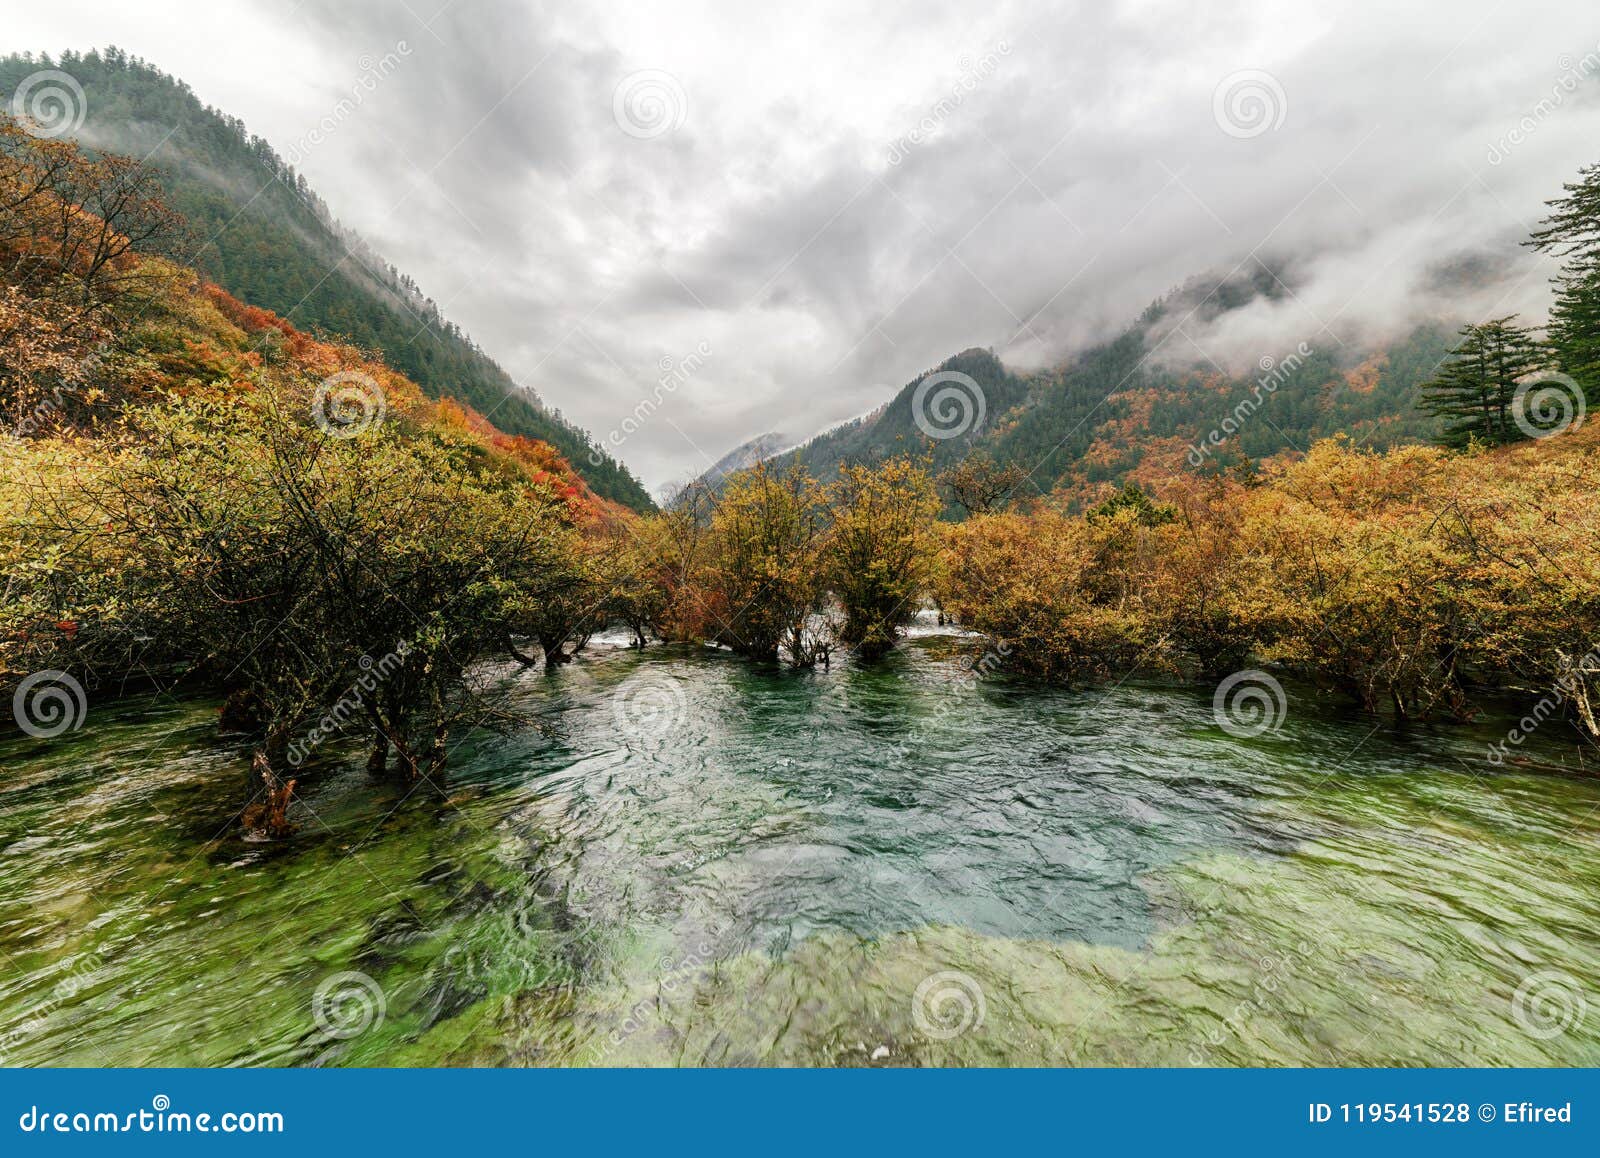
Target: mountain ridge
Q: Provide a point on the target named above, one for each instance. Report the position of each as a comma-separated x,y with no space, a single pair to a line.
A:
747,454
1113,412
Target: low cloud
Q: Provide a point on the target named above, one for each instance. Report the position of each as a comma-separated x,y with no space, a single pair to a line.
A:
822,214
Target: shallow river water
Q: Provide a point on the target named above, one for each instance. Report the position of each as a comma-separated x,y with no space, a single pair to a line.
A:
688,860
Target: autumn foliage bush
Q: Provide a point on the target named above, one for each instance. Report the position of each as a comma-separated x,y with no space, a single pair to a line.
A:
778,565
1409,580
1039,584
176,506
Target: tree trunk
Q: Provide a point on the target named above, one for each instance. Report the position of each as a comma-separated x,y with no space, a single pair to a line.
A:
405,760
267,819
378,758
438,750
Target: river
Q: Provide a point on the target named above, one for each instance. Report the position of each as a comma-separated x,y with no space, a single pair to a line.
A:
687,860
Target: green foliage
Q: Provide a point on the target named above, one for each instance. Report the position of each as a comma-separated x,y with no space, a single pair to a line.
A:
881,549
177,501
1572,233
763,576
753,566
300,570
1473,391
895,429
1140,506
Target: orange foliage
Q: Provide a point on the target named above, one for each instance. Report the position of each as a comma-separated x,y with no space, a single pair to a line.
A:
250,319
1364,378
542,463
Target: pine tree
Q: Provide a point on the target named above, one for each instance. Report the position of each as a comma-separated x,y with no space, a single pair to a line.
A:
1474,389
1572,233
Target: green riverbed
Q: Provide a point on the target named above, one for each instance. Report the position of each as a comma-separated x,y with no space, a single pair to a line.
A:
690,861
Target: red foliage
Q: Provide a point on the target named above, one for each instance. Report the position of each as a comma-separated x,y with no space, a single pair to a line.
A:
542,463
250,319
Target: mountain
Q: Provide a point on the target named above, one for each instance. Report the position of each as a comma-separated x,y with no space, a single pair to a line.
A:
742,457
262,234
948,405
1122,408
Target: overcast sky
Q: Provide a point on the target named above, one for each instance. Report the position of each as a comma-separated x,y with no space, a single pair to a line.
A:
831,197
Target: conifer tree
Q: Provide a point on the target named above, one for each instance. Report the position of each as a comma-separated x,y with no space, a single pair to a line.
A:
1572,233
1473,390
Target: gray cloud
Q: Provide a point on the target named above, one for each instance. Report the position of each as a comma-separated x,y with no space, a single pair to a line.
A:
1055,168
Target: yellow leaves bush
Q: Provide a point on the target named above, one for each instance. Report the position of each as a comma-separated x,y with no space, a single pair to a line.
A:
1037,584
1405,579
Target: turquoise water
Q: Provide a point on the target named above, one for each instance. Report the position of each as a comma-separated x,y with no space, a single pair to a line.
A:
685,859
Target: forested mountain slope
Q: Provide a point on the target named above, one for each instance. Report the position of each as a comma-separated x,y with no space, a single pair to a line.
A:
261,233
1125,405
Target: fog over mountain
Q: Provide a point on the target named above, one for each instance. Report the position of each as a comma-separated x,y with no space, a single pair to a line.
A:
833,198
